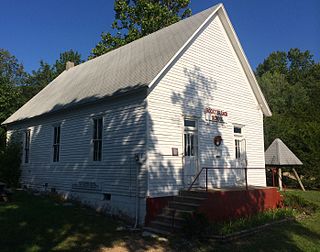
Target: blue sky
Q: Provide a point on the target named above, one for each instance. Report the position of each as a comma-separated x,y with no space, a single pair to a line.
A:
36,29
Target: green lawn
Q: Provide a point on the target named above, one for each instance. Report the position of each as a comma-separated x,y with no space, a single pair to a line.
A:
37,223
300,235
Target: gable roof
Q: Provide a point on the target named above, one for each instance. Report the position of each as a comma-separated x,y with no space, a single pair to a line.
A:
136,65
278,154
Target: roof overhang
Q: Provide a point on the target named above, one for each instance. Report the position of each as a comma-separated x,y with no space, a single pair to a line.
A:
221,12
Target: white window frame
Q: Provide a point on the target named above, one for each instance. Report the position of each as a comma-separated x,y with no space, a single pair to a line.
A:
26,146
56,144
99,140
240,138
191,129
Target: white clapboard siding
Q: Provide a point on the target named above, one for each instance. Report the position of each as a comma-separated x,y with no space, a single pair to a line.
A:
124,135
208,74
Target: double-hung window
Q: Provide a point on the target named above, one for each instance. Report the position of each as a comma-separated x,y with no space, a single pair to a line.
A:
56,143
27,146
97,138
238,142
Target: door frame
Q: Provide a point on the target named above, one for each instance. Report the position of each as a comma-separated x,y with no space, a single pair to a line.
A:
197,160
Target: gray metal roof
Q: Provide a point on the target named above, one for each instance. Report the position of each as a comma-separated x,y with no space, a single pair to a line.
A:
128,67
278,154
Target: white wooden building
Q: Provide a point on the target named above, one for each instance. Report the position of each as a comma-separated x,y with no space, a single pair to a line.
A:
142,120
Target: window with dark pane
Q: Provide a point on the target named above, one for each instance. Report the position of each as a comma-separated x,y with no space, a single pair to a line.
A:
190,137
237,130
189,123
189,144
237,148
56,143
27,146
97,139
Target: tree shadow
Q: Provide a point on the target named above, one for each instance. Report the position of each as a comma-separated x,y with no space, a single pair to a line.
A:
127,133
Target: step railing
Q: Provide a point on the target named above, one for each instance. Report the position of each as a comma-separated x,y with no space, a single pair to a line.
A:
206,169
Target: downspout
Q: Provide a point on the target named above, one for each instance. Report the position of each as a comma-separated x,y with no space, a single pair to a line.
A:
141,159
137,193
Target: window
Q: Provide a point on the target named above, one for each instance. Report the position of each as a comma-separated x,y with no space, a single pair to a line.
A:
97,139
27,146
189,123
190,137
237,148
56,143
189,145
239,142
237,130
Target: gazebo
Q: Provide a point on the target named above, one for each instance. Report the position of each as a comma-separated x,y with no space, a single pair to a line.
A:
279,155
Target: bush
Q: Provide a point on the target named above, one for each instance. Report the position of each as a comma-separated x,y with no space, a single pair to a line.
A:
195,225
228,227
299,203
10,159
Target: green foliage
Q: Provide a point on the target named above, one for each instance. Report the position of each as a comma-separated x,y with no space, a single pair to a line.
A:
37,80
137,18
11,71
256,220
10,159
299,203
60,64
291,84
17,86
195,226
46,73
12,76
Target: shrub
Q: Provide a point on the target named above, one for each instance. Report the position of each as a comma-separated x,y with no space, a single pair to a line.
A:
299,203
10,159
258,219
195,225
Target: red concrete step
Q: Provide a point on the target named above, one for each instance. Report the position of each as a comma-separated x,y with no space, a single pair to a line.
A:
164,226
183,205
189,199
197,194
157,231
176,212
178,221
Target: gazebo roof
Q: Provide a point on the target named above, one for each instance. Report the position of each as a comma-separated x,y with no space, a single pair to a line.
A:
278,154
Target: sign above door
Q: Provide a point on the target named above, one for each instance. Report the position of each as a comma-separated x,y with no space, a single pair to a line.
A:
215,115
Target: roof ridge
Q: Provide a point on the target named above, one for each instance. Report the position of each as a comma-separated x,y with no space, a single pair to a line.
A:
146,36
125,68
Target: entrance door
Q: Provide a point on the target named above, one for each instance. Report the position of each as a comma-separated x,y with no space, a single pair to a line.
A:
240,147
240,160
190,150
240,152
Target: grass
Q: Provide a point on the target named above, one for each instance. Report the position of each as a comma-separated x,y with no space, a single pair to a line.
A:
259,219
31,223
37,223
300,235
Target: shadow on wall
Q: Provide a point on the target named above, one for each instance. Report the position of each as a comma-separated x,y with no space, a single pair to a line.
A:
124,136
200,93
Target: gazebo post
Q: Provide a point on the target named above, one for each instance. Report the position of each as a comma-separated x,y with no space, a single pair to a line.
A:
280,178
273,170
298,178
279,155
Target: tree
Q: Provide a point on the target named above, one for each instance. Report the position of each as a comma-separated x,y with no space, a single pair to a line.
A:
276,62
291,84
37,80
137,18
64,57
12,76
46,73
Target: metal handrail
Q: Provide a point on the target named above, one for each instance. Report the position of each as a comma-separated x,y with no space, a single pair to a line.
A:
222,168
